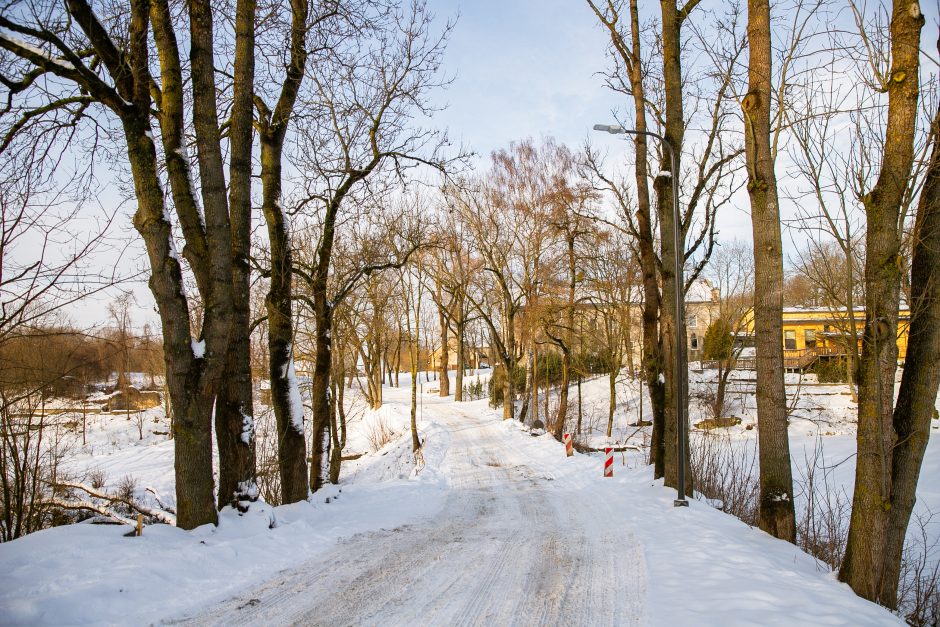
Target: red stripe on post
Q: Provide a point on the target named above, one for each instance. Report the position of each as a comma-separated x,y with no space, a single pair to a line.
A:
609,462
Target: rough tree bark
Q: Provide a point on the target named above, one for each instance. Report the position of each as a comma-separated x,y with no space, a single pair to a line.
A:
866,555
917,395
669,316
285,392
443,316
565,341
234,412
776,482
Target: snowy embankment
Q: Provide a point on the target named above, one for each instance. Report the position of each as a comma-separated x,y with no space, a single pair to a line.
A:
497,527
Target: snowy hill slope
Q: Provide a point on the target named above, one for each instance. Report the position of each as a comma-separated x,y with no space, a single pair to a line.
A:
498,527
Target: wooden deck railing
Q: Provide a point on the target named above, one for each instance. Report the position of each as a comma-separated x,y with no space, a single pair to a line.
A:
793,359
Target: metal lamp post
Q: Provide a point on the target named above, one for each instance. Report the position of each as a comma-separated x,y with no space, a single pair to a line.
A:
680,365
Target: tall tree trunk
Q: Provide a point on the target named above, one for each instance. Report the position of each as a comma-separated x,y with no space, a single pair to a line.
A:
919,384
415,346
191,404
461,348
670,317
724,370
375,372
415,442
524,410
867,551
444,375
397,357
285,391
547,395
652,347
567,339
320,385
534,384
776,482
337,430
509,362
234,411
562,416
192,375
444,366
580,408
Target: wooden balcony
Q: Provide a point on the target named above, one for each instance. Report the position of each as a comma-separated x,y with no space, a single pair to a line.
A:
793,359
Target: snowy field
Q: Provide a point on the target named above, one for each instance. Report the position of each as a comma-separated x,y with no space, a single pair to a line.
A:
495,527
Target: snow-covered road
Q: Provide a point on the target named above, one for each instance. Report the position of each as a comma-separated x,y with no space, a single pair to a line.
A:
512,544
497,528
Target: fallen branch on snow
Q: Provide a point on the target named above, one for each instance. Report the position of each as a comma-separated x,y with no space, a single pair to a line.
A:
157,514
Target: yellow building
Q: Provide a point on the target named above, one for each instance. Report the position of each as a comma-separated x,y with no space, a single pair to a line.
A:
811,333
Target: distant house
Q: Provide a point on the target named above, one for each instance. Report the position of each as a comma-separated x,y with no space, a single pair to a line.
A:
811,334
474,356
701,309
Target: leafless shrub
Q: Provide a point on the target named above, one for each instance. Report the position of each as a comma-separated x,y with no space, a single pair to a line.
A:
706,398
919,587
593,418
126,488
97,478
822,523
269,473
379,433
31,451
139,420
725,473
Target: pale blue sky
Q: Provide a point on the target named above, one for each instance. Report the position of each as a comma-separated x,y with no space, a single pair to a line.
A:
524,68
530,68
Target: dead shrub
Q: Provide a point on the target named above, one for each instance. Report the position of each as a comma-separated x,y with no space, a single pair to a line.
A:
919,586
32,448
97,478
725,473
126,488
379,433
822,521
266,458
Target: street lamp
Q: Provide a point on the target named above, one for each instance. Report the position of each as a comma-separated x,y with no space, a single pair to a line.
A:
680,365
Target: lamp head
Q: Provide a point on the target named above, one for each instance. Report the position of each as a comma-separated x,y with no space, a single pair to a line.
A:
613,129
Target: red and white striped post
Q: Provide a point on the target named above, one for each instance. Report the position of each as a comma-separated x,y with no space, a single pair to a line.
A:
569,445
608,461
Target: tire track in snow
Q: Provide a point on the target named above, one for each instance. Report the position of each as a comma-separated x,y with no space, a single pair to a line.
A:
508,548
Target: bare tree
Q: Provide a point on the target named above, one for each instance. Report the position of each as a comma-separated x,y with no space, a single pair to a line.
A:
732,268
776,514
895,72
613,290
412,288
366,93
106,64
659,104
830,212
497,296
916,402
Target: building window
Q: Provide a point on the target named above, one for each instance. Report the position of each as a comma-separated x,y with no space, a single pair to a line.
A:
694,342
789,340
810,336
691,322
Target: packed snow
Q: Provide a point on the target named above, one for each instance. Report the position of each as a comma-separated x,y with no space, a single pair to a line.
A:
493,524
